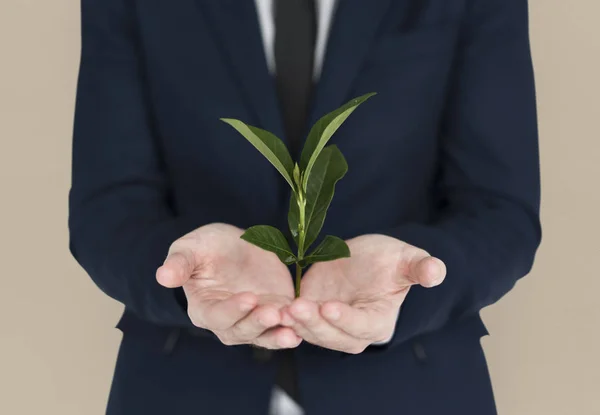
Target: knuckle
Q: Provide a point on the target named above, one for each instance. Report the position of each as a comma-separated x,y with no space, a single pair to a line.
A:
180,245
384,336
241,333
356,349
236,332
420,252
340,345
226,340
384,332
380,329
365,333
174,247
193,316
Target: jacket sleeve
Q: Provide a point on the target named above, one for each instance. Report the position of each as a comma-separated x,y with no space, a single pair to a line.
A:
486,224
120,222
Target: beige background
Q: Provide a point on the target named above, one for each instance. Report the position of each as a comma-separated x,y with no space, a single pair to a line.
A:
57,341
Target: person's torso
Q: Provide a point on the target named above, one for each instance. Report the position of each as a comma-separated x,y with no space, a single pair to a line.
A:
203,60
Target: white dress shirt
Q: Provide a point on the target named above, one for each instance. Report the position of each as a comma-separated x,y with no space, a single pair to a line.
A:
325,10
281,403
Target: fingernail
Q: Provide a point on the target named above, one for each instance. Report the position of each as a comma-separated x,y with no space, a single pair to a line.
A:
333,313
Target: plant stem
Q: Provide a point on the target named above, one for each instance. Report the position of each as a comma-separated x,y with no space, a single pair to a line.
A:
301,239
301,228
298,279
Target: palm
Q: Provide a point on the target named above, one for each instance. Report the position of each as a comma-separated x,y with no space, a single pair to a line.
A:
351,303
368,277
233,288
229,265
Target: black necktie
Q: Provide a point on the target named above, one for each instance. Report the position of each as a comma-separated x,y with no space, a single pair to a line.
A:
295,34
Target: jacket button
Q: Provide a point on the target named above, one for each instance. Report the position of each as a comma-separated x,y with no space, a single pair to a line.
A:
419,352
261,355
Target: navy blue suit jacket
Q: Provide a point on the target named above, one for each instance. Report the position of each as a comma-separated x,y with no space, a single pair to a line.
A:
445,157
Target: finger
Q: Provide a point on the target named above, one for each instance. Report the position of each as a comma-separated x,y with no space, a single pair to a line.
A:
176,270
425,270
256,323
363,323
286,318
222,314
278,338
312,327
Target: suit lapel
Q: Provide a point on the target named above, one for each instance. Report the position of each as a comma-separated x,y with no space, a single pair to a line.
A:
236,26
354,28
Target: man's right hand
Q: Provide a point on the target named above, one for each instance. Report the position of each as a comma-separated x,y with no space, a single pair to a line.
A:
233,288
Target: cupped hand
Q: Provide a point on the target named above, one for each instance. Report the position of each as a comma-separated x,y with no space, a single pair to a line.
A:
349,304
233,288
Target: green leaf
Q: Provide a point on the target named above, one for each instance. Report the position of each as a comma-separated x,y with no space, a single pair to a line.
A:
331,248
323,130
270,239
328,170
269,145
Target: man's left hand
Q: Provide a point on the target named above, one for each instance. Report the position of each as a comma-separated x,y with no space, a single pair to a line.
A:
349,304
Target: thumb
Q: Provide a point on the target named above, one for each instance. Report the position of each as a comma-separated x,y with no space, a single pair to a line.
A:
177,269
426,270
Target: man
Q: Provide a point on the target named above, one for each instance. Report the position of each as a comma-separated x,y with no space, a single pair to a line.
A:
443,182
